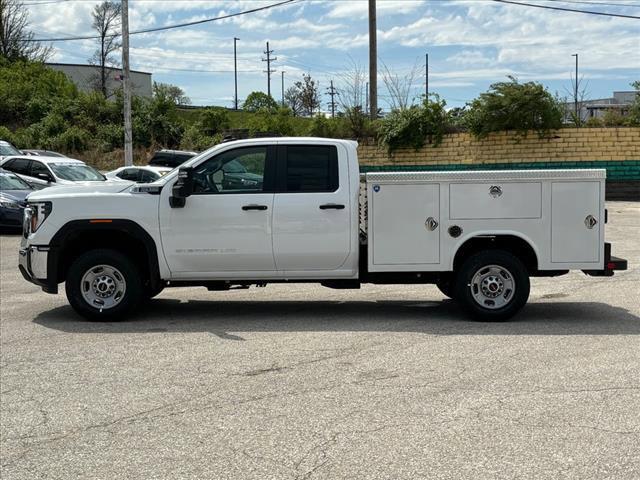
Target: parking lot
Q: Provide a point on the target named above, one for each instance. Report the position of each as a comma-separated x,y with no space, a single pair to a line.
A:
299,381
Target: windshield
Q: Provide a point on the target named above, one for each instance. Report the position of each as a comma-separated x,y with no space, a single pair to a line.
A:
7,149
76,172
11,182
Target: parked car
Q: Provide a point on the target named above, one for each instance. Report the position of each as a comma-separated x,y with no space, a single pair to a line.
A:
137,174
13,195
43,153
171,158
41,172
7,149
478,235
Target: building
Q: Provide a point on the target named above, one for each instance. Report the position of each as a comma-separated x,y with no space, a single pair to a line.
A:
86,78
620,102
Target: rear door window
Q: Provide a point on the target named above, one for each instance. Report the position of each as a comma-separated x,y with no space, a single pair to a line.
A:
311,168
38,168
21,166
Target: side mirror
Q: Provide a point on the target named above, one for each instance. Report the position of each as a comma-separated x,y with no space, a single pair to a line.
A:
183,188
44,176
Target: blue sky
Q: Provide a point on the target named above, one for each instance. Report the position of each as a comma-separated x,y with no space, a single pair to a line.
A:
471,43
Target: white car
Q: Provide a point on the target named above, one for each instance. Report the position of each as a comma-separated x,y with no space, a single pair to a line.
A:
138,174
41,172
6,149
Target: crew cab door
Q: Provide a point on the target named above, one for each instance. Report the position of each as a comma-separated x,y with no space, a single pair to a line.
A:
312,211
224,229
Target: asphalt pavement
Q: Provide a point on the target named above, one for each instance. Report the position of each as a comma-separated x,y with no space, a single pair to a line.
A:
304,382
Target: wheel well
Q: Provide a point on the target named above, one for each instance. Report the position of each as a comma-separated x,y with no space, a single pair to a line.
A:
78,242
510,243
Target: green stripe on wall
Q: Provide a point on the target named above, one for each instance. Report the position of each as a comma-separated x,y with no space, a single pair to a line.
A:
617,171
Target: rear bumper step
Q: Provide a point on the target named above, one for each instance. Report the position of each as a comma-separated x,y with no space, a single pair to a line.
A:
611,264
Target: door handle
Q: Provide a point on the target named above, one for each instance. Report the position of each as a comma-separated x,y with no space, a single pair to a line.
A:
431,223
333,206
254,207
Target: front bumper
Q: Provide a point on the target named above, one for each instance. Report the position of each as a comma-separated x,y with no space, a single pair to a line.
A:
611,264
37,267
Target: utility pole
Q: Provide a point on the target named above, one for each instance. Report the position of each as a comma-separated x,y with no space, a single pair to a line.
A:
283,88
426,75
332,92
575,92
235,71
126,86
373,61
268,71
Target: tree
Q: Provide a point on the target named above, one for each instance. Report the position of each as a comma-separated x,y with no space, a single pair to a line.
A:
308,93
352,88
514,106
106,22
16,42
293,101
259,101
171,92
399,87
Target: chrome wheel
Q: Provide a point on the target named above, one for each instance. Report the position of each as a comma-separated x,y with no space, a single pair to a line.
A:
103,287
492,286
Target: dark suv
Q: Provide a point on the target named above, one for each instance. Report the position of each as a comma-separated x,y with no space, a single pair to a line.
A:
170,158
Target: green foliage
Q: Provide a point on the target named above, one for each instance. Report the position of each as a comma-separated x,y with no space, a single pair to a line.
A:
259,101
514,106
27,91
6,134
613,118
322,126
213,120
195,139
415,125
110,137
279,123
594,122
74,139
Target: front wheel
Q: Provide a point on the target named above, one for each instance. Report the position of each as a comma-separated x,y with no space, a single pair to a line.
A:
103,285
492,285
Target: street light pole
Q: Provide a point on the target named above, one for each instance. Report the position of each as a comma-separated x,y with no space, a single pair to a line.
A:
283,88
235,71
426,75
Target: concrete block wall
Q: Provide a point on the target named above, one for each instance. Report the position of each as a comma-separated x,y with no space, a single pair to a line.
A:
615,149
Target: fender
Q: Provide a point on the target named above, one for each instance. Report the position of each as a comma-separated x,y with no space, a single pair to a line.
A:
492,233
78,227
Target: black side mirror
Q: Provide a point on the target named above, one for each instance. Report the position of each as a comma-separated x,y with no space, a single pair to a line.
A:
183,188
44,176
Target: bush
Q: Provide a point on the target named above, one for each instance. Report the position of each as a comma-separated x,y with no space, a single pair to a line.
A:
74,139
613,118
213,120
412,127
265,121
514,106
634,111
257,101
322,126
194,139
110,137
594,122
6,134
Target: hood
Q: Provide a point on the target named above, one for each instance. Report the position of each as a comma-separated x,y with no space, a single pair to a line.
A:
80,189
15,195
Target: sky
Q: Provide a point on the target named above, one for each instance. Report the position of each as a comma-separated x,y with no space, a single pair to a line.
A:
471,44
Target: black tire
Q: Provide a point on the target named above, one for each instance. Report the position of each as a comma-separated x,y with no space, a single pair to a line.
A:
78,288
446,285
150,292
488,273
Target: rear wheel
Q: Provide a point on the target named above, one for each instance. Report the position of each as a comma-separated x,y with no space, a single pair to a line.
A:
493,285
103,285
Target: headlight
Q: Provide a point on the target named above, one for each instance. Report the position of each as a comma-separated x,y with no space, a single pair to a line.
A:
34,215
10,205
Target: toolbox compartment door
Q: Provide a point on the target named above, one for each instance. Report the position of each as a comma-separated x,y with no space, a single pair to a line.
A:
399,217
495,200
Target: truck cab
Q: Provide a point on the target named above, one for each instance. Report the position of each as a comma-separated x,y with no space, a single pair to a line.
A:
268,210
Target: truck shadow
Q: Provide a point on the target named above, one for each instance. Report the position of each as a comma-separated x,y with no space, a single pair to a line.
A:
229,319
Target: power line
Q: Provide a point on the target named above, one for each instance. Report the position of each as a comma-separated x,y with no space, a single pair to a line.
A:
523,4
168,27
604,4
332,91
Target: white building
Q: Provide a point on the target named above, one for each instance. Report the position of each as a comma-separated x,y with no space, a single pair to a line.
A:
620,102
86,77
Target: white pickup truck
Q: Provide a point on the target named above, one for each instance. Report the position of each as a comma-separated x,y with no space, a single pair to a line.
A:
259,211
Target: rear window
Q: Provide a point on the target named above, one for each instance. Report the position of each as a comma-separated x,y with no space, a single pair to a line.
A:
76,172
6,149
311,168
